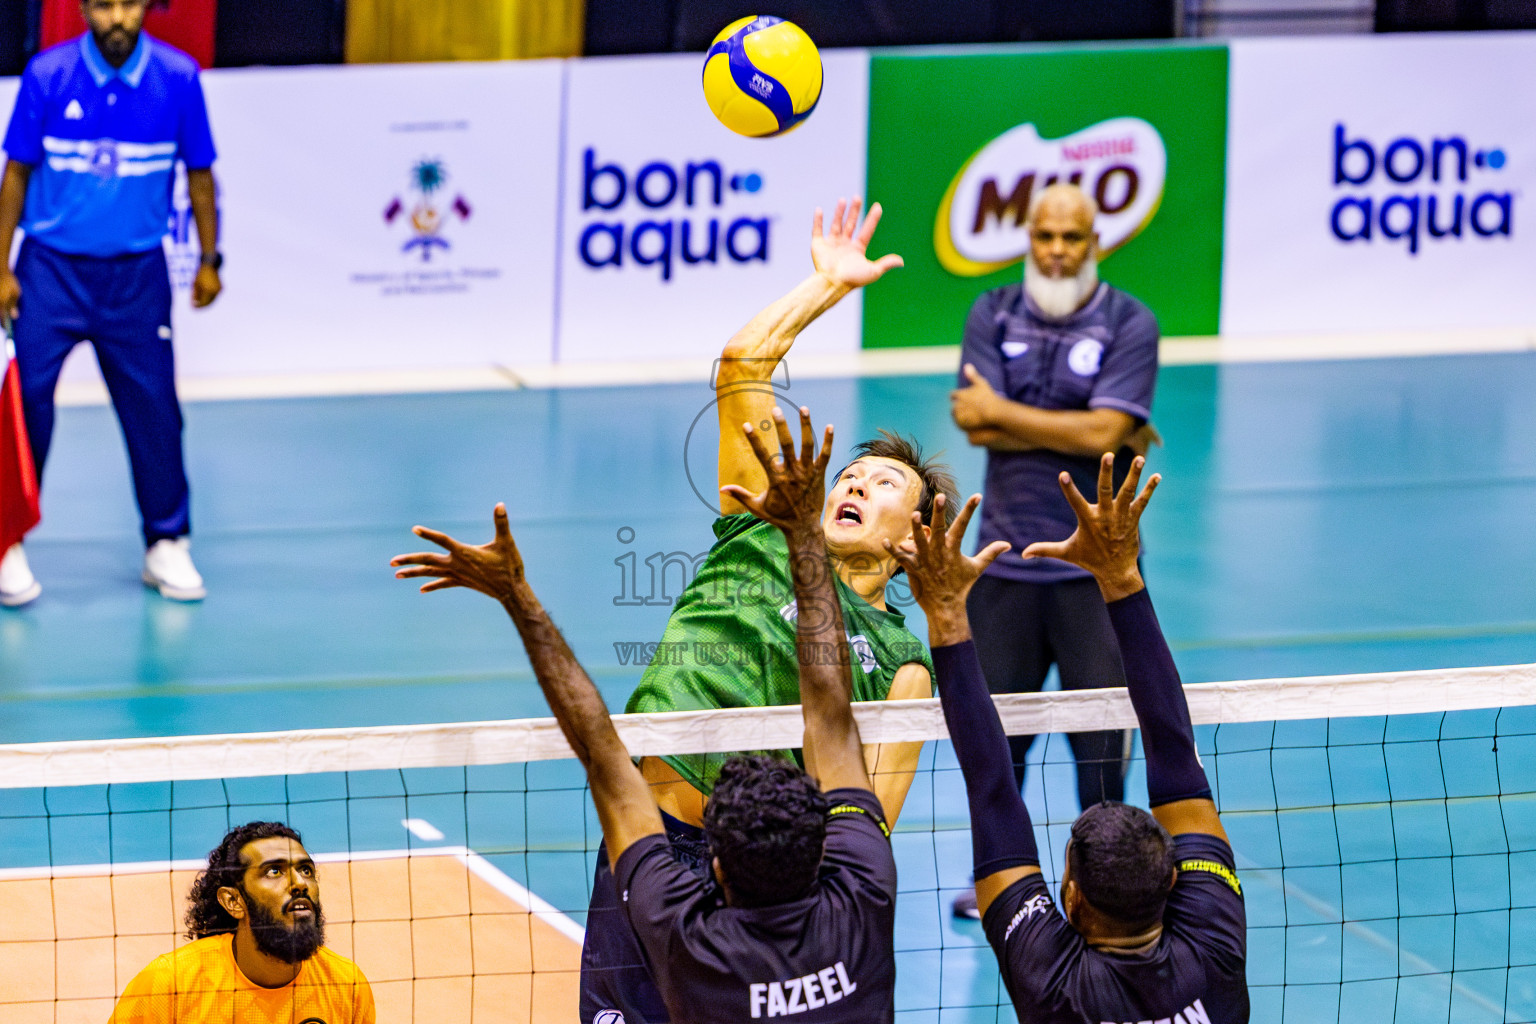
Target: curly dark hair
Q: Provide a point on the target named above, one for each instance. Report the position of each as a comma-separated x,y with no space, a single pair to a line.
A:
1122,861
225,867
767,822
936,477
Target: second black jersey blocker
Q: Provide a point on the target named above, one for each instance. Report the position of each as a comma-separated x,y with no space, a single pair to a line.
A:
796,915
1151,925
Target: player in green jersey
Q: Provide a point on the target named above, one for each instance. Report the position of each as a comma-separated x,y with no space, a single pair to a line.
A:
729,641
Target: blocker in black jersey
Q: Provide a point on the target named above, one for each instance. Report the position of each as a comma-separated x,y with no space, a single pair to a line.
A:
827,958
1193,974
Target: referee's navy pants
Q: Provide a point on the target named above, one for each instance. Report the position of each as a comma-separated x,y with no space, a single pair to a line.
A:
122,305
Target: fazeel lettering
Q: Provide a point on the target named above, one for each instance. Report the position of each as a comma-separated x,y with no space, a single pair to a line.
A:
808,992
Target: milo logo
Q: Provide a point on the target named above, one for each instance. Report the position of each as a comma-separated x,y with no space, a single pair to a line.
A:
1121,163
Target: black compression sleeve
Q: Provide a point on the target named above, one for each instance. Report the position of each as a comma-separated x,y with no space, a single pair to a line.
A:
1001,833
1173,766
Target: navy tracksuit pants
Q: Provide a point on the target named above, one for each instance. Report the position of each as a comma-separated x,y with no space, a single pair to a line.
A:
122,305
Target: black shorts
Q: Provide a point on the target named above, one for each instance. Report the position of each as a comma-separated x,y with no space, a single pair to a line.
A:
1021,629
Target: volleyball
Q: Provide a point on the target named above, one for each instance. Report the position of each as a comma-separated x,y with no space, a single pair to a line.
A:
762,76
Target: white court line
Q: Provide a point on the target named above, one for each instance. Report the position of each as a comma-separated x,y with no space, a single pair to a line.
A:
421,828
477,864
882,362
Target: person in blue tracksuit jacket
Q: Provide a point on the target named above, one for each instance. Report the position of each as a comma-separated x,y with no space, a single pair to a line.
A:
92,147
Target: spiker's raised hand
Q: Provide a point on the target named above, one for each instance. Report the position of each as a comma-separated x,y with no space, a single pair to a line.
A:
797,483
839,253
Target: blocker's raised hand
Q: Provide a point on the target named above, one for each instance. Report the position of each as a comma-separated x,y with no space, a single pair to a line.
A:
938,571
494,569
1107,539
797,483
840,253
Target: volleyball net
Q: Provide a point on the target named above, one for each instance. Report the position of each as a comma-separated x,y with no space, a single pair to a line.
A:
1384,827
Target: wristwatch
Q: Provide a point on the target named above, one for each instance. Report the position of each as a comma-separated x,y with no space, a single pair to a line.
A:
212,259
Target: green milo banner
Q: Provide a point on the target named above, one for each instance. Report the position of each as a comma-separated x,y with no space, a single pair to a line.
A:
958,143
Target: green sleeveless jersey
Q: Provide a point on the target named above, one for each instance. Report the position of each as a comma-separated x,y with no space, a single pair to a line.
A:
730,642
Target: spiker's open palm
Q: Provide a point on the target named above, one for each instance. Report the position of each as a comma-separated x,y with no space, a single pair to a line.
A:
494,569
839,253
1107,539
797,484
938,571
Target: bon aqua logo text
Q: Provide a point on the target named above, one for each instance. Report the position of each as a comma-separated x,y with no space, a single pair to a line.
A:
663,215
1410,190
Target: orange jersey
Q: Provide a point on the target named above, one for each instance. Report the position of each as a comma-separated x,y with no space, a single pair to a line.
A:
200,983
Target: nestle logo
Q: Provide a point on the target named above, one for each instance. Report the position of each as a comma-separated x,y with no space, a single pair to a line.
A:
1098,150
761,85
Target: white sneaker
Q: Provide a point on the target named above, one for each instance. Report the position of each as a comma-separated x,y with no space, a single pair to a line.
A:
17,584
168,568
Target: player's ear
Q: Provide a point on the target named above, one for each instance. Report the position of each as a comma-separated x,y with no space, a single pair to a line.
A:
1071,900
232,902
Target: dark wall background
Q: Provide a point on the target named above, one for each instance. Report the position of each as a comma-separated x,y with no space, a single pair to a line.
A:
653,26
279,32
18,33
1446,15
313,31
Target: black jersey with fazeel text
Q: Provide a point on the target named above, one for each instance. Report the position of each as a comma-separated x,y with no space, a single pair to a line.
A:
827,958
1196,974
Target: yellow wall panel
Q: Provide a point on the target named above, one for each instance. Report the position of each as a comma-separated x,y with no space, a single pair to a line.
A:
379,31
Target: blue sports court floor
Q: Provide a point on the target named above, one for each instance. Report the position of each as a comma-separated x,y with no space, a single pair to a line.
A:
1316,518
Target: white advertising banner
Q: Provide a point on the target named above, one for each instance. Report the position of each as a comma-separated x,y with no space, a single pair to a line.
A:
675,230
386,218
1380,184
381,218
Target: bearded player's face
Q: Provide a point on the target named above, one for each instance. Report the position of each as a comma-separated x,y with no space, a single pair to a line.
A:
870,502
282,899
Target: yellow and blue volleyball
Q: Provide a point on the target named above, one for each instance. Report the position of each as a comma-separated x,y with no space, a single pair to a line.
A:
762,76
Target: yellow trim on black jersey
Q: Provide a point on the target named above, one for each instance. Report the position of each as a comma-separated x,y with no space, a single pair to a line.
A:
1216,868
855,809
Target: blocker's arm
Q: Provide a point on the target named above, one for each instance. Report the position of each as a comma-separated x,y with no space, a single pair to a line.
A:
941,576
791,500
1107,542
625,806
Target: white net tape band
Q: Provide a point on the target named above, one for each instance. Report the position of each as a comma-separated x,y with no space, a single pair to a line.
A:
307,751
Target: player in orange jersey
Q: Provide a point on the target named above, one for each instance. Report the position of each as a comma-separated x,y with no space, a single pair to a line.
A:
257,954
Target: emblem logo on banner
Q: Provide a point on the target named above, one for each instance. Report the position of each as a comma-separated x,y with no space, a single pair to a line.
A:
1410,190
426,220
1121,162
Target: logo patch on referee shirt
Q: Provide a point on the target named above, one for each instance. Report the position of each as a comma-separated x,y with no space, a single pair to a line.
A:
1085,356
73,112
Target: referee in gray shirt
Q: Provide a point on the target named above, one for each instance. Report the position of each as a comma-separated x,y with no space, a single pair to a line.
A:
1054,372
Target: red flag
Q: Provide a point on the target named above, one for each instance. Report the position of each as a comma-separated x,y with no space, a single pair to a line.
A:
19,510
185,24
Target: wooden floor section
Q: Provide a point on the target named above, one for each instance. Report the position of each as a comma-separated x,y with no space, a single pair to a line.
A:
441,935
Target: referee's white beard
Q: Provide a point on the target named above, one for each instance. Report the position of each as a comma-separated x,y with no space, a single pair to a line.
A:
1060,297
